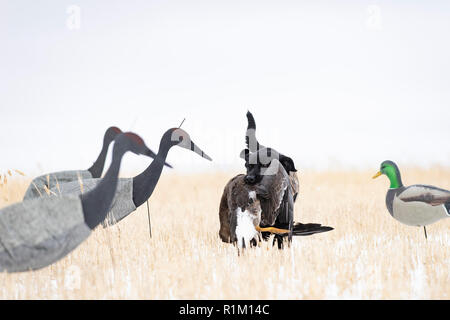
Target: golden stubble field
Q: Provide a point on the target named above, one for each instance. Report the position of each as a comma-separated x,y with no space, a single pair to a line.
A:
368,255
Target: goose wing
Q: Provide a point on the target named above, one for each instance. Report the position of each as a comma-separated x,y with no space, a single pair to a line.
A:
272,192
295,185
239,196
425,193
225,211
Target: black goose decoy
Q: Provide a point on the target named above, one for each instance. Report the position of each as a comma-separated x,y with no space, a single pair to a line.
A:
417,205
133,192
39,232
40,185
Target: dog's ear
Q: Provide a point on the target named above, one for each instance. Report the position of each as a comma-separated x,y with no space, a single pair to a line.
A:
287,163
244,154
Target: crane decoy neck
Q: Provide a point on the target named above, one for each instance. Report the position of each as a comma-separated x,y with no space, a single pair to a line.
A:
144,184
97,168
96,203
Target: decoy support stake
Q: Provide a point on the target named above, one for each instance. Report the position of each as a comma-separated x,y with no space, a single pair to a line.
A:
148,209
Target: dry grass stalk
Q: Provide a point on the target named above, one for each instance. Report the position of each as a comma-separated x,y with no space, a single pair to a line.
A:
57,186
39,191
80,181
48,191
19,172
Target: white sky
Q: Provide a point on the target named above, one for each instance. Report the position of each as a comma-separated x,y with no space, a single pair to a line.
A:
350,84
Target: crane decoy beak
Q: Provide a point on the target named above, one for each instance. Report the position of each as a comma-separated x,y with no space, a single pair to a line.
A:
199,151
379,173
151,154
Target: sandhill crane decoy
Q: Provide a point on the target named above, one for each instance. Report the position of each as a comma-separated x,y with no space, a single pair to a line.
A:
267,206
417,205
253,146
43,183
39,232
133,192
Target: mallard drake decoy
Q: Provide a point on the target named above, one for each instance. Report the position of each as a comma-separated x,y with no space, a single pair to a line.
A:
41,184
246,210
133,192
39,232
416,205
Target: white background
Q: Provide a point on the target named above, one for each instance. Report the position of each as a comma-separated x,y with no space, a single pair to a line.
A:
330,83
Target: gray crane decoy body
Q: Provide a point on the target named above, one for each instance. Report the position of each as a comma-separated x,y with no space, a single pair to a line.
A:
39,232
52,180
133,192
122,204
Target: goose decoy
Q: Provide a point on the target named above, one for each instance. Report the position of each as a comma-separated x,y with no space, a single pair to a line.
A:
43,183
39,232
417,205
253,146
246,210
133,192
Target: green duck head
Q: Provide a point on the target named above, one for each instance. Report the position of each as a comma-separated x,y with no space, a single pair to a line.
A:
390,169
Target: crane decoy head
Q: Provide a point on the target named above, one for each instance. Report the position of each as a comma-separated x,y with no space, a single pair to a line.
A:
135,144
111,133
179,137
258,163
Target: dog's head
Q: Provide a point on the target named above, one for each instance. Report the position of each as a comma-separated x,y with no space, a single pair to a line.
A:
253,166
256,163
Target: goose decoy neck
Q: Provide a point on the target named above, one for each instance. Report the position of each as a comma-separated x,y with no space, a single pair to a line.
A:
96,203
390,169
250,136
97,168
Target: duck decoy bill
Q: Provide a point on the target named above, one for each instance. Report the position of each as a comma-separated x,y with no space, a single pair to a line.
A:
379,173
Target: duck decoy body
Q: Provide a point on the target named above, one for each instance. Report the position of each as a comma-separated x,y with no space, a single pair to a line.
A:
133,192
415,205
39,232
39,184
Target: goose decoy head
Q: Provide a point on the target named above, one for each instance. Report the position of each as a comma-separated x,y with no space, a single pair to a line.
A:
179,137
135,144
